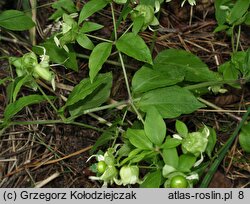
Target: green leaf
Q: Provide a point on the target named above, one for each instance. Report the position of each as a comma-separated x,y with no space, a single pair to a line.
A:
19,82
171,101
239,9
135,47
186,162
212,138
221,14
15,20
96,98
155,127
97,58
2,81
152,180
181,62
58,55
85,88
244,138
13,108
137,24
89,27
62,6
90,8
181,128
146,79
170,143
85,42
139,139
170,157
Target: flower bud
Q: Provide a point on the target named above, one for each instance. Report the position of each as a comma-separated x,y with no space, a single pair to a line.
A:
129,174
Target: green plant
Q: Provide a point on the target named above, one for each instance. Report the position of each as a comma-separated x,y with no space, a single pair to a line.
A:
144,153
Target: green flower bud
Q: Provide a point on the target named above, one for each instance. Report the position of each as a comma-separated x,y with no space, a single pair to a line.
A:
44,73
129,175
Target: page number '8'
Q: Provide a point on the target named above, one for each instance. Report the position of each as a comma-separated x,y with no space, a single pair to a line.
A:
241,195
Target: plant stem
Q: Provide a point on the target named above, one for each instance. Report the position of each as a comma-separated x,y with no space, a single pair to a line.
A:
128,88
238,39
46,122
100,108
210,83
99,38
107,61
47,98
217,108
114,23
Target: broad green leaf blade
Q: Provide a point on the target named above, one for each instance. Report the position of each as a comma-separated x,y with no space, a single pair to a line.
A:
146,79
221,14
137,24
244,137
135,47
90,8
13,108
171,101
186,162
84,89
181,128
139,139
15,20
97,58
89,27
155,127
239,9
85,42
170,157
152,180
170,143
184,63
58,55
19,82
96,98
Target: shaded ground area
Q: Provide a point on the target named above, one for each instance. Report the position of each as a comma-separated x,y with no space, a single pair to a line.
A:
55,155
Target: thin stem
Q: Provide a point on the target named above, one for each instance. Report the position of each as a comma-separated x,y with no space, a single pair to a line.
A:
114,105
125,75
47,98
107,61
232,39
210,83
46,122
128,88
238,39
113,17
217,108
99,38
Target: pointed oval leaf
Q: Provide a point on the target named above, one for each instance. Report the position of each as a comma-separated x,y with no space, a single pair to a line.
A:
89,27
170,157
97,58
152,180
171,101
15,20
85,88
181,128
146,79
186,162
155,127
139,139
13,108
91,7
85,42
186,63
135,47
